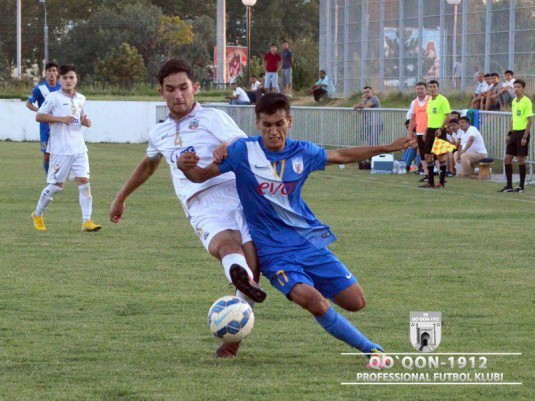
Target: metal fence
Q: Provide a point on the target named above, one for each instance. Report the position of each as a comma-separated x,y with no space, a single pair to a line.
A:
392,44
344,127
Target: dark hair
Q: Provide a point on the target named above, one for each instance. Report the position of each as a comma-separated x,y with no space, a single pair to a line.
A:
323,71
495,74
521,82
488,74
465,119
456,112
434,82
66,68
367,87
50,65
174,66
270,103
509,72
421,83
262,74
453,121
273,44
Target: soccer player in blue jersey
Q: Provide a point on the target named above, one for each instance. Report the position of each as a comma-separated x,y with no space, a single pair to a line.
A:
39,93
291,242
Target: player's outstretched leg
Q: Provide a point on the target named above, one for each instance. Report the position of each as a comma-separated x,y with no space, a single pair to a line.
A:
245,283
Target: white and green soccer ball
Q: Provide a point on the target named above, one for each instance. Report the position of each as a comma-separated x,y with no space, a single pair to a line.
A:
231,319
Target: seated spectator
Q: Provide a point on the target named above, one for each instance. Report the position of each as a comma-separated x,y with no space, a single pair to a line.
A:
239,97
481,88
489,80
492,102
411,152
321,87
454,137
255,91
507,93
472,148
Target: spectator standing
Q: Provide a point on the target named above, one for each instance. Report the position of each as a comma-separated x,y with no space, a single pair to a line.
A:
373,123
239,97
286,72
472,147
518,138
457,73
272,66
418,120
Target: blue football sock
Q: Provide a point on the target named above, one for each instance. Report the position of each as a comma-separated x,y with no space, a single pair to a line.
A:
45,166
339,327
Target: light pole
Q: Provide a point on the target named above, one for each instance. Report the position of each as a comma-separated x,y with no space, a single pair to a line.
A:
43,2
248,4
454,3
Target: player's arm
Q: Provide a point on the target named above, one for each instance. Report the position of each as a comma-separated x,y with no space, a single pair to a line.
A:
47,118
187,163
524,140
142,173
358,153
31,106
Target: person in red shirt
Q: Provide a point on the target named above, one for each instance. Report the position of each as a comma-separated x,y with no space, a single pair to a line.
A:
272,65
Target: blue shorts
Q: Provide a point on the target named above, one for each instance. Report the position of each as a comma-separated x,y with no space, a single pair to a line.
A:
316,267
44,134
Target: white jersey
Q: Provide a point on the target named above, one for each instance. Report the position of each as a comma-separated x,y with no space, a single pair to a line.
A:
65,139
478,145
201,131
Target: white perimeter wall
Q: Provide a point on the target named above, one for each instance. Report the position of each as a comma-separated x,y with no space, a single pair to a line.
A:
112,121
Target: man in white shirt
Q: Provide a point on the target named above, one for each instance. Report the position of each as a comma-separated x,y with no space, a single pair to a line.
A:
472,148
64,111
213,208
239,97
255,91
507,92
481,88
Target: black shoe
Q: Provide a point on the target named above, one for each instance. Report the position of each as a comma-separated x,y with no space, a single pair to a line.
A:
506,189
426,185
246,284
519,189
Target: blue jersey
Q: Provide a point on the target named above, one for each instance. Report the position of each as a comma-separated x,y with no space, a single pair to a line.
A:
39,93
269,186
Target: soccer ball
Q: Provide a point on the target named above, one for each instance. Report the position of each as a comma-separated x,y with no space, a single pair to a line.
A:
231,319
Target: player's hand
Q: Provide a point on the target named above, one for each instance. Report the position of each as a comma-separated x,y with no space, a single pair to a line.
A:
69,120
86,122
523,142
400,144
438,132
220,153
508,138
187,161
116,210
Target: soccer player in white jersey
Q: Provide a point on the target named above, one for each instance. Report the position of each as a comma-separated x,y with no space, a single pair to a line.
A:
213,208
64,111
292,243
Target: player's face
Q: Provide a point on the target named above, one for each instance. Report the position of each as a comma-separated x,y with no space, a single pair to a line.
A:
68,81
508,77
519,91
421,91
179,93
464,125
452,127
433,89
51,74
274,129
488,80
480,77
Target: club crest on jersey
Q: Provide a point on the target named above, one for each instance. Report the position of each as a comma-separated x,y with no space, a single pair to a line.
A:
298,165
194,124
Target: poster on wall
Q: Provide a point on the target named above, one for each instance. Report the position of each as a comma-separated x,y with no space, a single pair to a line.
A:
236,62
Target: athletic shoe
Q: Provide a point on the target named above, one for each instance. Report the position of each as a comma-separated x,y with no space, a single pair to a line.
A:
38,222
440,186
519,190
426,185
89,226
449,174
241,280
378,360
506,189
424,179
228,350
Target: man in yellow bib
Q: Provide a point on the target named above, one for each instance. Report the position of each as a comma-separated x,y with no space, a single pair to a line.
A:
518,138
438,117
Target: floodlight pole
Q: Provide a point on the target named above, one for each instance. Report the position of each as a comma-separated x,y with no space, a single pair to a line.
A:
19,38
43,2
248,5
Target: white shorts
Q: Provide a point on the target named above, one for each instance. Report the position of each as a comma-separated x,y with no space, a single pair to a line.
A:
63,167
217,209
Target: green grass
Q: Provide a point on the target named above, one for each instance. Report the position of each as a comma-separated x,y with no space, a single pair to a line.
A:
121,314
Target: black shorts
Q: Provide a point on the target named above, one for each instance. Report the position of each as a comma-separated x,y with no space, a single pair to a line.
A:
514,147
421,145
430,139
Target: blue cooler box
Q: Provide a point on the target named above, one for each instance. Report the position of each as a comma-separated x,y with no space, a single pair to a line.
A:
383,164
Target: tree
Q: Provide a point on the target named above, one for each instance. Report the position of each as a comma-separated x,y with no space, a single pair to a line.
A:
174,33
123,66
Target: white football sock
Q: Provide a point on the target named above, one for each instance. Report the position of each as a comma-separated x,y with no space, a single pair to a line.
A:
86,201
235,258
45,198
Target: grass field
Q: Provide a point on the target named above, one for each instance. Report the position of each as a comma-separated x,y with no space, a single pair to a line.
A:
121,314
